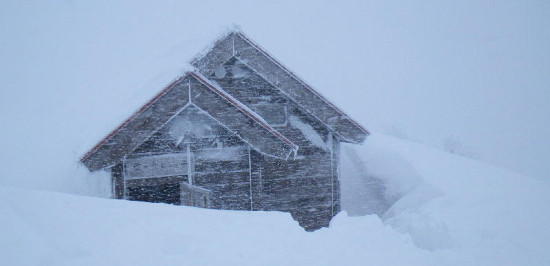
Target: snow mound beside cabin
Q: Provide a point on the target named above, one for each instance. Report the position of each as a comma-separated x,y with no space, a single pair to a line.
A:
436,209
466,212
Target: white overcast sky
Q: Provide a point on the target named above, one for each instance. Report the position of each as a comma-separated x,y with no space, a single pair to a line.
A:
475,70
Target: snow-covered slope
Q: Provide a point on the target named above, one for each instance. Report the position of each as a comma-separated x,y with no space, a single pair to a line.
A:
445,210
44,228
483,214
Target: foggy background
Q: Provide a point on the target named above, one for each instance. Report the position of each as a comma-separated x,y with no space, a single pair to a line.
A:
472,75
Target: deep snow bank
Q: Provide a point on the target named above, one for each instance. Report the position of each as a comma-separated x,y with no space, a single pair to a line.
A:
482,214
445,210
47,228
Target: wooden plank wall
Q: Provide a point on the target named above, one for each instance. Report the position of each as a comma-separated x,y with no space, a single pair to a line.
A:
220,159
307,185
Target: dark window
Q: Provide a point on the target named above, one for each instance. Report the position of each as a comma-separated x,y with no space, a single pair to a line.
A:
165,193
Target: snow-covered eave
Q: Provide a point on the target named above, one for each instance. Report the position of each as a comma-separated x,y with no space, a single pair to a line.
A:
292,148
130,119
285,157
329,127
226,47
208,46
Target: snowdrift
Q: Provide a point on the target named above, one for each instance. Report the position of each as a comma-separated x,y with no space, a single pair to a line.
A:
435,209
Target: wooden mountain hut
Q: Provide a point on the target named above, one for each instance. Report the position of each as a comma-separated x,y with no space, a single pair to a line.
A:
241,132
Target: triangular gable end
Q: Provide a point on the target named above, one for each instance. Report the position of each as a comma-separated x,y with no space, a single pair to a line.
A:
236,44
193,89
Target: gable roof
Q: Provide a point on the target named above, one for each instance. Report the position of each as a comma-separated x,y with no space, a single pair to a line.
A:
236,44
195,89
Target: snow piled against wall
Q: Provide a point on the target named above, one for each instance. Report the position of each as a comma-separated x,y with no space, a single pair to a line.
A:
45,228
443,210
454,206
73,71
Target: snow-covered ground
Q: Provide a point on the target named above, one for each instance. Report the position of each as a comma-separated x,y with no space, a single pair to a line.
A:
450,210
71,71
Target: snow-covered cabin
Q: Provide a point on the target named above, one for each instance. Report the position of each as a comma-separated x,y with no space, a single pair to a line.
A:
240,132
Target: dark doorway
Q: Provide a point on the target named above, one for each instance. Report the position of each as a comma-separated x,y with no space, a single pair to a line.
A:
164,193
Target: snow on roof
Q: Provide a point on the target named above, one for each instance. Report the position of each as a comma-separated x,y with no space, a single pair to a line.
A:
140,82
295,88
116,146
237,44
129,119
297,78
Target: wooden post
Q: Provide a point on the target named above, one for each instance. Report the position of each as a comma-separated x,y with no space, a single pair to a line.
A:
117,181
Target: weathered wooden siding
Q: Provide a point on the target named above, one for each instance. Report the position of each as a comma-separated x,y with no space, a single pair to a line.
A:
238,45
242,83
307,185
228,138
165,105
244,125
218,162
227,177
